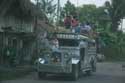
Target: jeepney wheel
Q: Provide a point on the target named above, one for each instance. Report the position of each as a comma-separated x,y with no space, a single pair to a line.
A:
89,72
93,68
75,72
93,65
41,74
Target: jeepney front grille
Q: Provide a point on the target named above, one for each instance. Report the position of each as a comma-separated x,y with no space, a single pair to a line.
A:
56,57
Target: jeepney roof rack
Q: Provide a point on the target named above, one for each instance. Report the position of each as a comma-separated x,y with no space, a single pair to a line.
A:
71,36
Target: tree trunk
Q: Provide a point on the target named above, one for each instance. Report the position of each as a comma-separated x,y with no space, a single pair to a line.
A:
114,27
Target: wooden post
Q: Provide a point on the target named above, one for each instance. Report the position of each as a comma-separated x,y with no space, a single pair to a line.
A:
121,37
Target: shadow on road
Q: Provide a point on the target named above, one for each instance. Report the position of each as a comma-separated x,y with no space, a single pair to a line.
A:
62,77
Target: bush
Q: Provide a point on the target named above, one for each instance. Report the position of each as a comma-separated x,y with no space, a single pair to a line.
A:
113,53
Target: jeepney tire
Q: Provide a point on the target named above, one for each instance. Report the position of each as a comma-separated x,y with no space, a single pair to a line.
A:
93,64
80,71
93,68
88,72
75,72
41,75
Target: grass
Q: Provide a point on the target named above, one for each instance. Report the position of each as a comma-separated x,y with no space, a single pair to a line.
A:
14,73
116,58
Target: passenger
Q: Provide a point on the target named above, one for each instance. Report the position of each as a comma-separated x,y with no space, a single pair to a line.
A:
67,22
86,29
55,44
78,29
74,24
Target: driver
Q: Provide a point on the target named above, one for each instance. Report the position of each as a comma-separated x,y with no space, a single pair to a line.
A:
55,44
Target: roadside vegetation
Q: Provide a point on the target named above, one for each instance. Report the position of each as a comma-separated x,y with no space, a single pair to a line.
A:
105,20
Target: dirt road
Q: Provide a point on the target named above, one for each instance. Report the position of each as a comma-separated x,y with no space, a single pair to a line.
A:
106,73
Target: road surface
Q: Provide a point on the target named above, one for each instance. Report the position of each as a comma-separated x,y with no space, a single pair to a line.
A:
106,73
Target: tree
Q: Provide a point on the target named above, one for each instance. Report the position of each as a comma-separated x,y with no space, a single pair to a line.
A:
69,9
87,13
94,15
116,12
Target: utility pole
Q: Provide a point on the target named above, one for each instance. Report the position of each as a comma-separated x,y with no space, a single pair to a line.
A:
77,10
58,12
77,3
122,24
36,18
121,37
35,31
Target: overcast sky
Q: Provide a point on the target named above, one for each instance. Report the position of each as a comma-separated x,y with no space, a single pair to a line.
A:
81,2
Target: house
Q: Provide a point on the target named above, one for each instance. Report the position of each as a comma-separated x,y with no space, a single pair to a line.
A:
122,25
22,24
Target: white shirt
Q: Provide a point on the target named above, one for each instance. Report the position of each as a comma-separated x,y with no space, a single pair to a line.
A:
87,27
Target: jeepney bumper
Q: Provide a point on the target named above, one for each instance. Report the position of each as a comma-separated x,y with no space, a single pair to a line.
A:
54,68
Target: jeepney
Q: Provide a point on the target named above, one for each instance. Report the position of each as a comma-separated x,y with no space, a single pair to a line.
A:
76,55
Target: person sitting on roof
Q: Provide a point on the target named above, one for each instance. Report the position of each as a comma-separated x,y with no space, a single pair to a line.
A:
86,28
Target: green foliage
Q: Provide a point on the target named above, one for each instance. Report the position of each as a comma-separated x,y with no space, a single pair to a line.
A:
69,9
105,20
87,13
94,15
108,38
116,12
102,21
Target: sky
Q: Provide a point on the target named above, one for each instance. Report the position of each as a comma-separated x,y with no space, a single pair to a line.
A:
81,2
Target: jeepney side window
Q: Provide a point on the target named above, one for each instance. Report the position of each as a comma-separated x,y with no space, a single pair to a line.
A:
83,43
91,44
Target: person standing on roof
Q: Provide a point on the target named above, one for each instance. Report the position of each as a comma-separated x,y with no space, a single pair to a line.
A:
67,22
74,24
86,29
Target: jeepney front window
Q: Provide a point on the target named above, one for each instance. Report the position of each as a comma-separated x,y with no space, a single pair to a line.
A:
68,42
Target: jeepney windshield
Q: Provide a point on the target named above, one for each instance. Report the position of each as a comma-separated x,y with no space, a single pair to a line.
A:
68,42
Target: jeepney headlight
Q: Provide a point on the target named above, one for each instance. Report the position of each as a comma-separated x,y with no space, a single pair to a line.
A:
41,60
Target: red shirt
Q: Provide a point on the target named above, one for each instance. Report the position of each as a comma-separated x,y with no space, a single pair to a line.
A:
74,23
67,21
